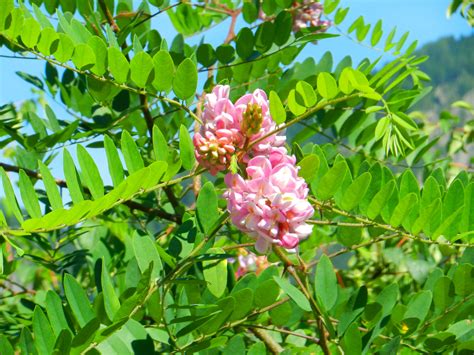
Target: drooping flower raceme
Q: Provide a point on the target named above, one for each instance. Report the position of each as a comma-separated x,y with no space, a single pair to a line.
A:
253,113
270,204
229,129
220,135
310,16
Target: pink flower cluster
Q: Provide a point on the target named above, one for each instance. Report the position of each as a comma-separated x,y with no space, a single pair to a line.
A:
310,16
305,14
269,200
227,128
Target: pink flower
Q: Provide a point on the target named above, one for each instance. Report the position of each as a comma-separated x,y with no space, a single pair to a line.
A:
220,135
270,205
251,109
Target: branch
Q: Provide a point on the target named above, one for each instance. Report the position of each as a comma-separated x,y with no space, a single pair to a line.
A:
270,343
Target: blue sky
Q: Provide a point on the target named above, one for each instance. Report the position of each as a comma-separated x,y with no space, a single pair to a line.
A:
425,19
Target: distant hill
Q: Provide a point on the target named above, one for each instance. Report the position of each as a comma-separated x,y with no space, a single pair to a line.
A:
451,68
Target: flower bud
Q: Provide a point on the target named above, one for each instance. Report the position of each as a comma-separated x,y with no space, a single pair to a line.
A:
252,119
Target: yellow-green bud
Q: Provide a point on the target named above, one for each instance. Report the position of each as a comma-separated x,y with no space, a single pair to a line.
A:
252,119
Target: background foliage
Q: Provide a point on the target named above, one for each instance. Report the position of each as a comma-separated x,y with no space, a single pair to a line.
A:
144,259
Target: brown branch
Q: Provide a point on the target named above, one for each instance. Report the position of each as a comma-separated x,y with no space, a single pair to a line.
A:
269,342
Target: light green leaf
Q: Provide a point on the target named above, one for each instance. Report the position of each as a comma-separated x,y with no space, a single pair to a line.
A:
30,32
186,148
277,110
83,57
28,196
100,51
118,65
403,208
296,295
141,69
50,186
307,93
295,107
10,198
113,161
146,253
64,49
185,79
111,301
164,71
90,173
131,154
376,33
327,85
309,167
206,207
47,38
72,178
215,273
266,293
325,283
44,338
78,300
330,183
356,191
160,145
54,309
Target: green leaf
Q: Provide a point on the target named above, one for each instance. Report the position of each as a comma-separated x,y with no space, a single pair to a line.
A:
185,79
141,69
330,183
100,51
356,191
424,217
464,279
443,293
111,301
325,283
48,36
327,85
225,53
30,32
146,253
296,295
26,344
186,148
28,196
352,340
266,293
64,49
283,24
309,167
72,178
5,346
83,57
78,300
244,303
44,338
131,154
51,187
467,219
118,65
6,7
245,42
345,81
164,71
10,198
277,110
215,273
307,93
403,209
113,161
160,145
419,306
206,55
63,342
206,207
296,108
90,173
376,33
54,309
